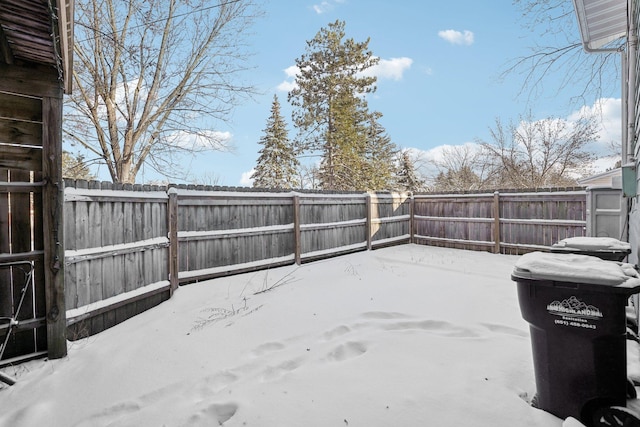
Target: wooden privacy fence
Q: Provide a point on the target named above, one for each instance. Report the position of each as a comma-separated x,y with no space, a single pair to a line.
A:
129,247
116,253
510,223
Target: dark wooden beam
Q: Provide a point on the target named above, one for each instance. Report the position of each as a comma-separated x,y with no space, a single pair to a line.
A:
20,158
36,81
53,225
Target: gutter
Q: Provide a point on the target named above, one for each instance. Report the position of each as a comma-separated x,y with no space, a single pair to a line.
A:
632,42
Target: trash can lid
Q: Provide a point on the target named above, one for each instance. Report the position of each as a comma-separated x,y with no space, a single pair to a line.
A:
593,244
576,268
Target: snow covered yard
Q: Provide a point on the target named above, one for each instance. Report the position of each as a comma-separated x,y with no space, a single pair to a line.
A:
404,336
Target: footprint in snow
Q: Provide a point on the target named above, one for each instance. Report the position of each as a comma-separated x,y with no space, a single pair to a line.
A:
437,327
214,383
268,347
219,413
274,372
336,332
507,330
384,315
347,351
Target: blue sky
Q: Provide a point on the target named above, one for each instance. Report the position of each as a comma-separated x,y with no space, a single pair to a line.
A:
438,84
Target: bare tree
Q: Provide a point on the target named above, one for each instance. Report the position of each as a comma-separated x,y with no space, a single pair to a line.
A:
153,79
462,168
543,153
560,54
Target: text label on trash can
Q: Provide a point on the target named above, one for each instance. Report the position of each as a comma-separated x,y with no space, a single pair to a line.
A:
574,312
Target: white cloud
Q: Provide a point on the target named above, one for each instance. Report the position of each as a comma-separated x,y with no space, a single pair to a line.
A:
437,154
289,84
457,37
292,71
607,148
323,7
245,179
608,112
207,139
286,86
602,164
392,68
326,6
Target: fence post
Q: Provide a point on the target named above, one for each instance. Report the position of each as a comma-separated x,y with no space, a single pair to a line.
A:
173,239
412,231
368,222
496,222
296,228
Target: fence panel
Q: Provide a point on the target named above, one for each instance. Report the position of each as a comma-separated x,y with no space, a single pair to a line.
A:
390,219
531,221
221,232
331,224
115,244
512,223
458,221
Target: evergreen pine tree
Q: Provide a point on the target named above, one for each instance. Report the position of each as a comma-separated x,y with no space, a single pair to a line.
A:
330,110
277,165
407,177
380,155
75,167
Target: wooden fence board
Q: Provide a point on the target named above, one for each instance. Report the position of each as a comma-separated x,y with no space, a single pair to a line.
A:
21,222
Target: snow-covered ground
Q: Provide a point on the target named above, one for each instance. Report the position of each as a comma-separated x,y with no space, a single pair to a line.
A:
404,336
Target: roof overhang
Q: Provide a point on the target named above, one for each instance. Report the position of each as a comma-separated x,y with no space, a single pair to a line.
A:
601,23
38,32
65,28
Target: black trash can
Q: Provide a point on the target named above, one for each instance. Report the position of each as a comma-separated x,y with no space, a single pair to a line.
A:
605,248
575,306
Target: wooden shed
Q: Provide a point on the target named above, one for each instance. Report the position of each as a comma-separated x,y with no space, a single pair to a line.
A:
36,45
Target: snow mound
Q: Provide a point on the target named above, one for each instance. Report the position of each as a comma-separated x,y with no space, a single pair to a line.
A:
593,244
575,268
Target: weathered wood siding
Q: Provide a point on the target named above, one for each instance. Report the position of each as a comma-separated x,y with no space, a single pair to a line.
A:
21,243
21,145
512,223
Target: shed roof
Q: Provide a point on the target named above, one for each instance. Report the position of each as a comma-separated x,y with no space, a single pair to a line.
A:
39,32
601,22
